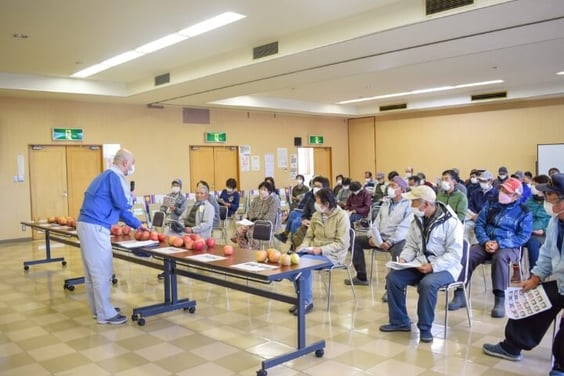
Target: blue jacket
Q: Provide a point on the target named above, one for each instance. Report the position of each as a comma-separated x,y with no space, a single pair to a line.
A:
231,199
106,201
551,259
510,225
540,218
478,199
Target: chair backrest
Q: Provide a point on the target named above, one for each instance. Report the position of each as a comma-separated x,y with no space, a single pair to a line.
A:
465,259
223,212
158,219
352,236
262,230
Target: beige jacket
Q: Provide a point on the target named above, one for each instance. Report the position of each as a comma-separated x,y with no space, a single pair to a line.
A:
332,236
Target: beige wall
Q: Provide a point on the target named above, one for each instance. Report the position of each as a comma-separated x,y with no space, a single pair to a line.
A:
486,139
158,138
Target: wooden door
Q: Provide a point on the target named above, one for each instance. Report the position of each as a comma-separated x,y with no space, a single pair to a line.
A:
84,163
201,165
322,164
225,165
214,164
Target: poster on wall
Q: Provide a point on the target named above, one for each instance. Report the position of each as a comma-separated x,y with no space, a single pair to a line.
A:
245,161
282,157
268,164
255,162
109,151
244,149
293,166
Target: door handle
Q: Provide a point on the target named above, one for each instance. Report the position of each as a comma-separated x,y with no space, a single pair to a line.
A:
65,194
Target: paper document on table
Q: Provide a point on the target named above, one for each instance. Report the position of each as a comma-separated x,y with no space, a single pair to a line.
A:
376,236
169,250
245,222
255,266
402,265
137,243
206,257
520,304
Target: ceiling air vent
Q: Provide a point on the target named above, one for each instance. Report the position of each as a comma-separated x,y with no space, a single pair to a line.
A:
482,97
265,50
162,79
437,6
391,107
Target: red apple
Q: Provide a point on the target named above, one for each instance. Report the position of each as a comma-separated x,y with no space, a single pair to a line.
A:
227,250
170,239
195,237
139,235
126,230
153,235
189,244
210,242
199,245
178,242
145,235
116,230
162,237
261,256
187,239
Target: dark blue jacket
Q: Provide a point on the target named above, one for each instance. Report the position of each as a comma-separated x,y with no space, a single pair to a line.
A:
510,225
478,199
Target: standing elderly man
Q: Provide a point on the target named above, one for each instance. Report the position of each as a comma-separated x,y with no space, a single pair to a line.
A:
388,230
502,228
526,333
434,241
107,200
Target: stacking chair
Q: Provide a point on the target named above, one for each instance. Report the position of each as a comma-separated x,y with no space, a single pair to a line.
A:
519,262
347,265
222,220
459,284
263,231
158,219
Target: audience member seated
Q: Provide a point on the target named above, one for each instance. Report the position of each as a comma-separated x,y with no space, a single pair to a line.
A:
501,176
476,202
527,333
338,185
380,189
369,183
344,193
198,219
457,181
264,207
526,189
501,228
213,201
434,240
536,203
451,196
387,232
327,238
298,191
423,180
413,181
472,183
175,204
229,197
408,173
359,203
552,171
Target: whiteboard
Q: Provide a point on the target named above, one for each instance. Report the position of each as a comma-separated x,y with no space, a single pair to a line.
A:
549,155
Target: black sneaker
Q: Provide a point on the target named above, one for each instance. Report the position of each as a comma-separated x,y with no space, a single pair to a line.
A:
116,320
281,237
356,282
307,309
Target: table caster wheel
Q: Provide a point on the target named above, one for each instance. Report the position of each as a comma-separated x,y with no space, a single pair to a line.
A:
134,317
319,353
262,372
114,281
141,321
26,267
64,263
190,309
69,287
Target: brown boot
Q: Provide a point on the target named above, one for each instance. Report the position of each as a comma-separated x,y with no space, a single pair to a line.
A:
516,274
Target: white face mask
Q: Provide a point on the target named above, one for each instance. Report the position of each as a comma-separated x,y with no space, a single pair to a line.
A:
548,209
474,180
339,181
391,192
315,190
368,180
319,208
417,212
535,191
346,186
408,174
131,170
484,186
502,176
229,190
175,189
445,185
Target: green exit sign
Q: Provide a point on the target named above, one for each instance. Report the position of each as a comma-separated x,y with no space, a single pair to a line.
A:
215,137
315,140
68,134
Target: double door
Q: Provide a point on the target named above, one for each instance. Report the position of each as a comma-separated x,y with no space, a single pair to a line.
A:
214,164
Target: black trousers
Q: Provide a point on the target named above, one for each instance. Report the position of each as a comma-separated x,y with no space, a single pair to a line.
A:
525,334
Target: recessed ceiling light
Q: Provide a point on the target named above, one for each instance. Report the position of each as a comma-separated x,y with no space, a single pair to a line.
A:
166,41
560,73
20,36
422,91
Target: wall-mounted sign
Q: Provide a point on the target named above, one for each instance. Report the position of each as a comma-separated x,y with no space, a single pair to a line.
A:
68,134
315,140
216,137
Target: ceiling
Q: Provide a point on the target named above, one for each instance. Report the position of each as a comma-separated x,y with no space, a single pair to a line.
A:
329,51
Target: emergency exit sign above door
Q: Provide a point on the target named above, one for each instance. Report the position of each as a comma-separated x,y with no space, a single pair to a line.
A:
316,140
67,134
215,137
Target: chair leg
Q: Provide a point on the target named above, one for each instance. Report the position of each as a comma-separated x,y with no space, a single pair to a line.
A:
468,308
352,285
329,291
446,314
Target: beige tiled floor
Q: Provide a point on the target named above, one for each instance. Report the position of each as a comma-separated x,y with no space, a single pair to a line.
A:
46,330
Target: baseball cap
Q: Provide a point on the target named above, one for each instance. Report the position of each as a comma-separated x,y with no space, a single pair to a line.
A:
485,176
513,185
380,175
422,192
177,181
555,185
502,169
518,174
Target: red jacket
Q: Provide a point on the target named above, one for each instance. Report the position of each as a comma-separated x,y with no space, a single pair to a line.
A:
360,202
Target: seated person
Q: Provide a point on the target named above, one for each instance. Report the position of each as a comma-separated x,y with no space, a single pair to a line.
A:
380,189
338,185
176,203
344,192
229,197
434,240
472,183
298,191
526,189
301,217
369,183
391,224
327,238
423,180
451,196
359,202
527,333
213,201
535,203
413,181
264,207
198,219
476,202
501,228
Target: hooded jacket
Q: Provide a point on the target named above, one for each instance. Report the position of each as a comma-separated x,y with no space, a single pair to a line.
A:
508,224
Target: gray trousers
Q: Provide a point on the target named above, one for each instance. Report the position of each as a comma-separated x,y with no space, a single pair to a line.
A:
500,265
360,244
